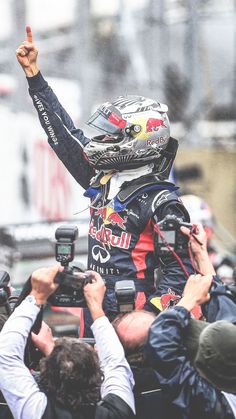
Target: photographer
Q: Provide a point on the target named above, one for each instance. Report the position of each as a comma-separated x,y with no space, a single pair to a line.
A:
196,367
71,381
132,329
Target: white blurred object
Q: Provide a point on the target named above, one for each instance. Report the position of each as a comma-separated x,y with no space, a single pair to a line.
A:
198,209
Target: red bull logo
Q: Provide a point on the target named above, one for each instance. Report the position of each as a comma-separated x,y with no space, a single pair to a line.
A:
154,124
109,216
166,300
169,300
115,219
101,212
104,235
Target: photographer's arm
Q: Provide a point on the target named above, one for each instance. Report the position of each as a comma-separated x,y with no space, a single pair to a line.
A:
44,340
181,383
16,382
198,243
118,376
196,291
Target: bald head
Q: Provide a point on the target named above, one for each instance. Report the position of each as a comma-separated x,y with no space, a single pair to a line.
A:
132,329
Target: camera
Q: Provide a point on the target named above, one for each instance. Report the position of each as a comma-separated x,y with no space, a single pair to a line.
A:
5,291
125,295
8,298
170,235
72,280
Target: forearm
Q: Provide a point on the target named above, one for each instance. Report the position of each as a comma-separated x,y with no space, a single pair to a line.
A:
17,384
118,376
66,141
16,330
204,263
45,100
31,71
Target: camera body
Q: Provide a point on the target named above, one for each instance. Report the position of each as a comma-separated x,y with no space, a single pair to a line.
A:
170,230
70,290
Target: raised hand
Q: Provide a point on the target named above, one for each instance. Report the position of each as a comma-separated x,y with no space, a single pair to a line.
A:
198,243
198,239
42,281
94,293
196,291
44,339
27,54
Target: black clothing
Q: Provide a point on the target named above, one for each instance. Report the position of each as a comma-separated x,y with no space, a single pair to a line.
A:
150,400
192,395
112,407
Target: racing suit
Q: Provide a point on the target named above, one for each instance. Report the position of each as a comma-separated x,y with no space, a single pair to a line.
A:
121,231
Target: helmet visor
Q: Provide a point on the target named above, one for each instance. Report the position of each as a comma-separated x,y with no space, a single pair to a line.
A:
111,124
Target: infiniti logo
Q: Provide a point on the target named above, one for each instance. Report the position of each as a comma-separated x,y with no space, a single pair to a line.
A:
100,254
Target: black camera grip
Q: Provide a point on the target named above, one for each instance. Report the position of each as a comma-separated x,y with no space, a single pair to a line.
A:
59,277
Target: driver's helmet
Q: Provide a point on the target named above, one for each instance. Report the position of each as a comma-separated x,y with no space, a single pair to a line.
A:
135,132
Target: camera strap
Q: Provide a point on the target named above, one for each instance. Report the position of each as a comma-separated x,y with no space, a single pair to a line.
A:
158,231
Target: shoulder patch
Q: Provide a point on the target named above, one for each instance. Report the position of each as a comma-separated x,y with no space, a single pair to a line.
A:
160,198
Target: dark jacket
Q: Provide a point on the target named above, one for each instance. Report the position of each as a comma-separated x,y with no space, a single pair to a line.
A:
150,400
193,396
112,407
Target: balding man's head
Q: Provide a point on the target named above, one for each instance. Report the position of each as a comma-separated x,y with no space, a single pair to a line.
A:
132,329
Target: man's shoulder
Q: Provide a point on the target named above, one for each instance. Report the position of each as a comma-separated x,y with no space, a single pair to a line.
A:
148,183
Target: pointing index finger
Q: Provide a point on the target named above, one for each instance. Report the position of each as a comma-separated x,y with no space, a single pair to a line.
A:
29,34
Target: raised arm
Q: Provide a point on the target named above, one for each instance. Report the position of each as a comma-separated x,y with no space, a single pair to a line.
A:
65,139
118,376
198,243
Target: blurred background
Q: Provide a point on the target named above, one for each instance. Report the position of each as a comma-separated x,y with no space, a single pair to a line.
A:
180,52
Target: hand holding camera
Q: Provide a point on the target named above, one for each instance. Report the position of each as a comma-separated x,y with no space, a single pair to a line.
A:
198,238
94,294
71,279
43,284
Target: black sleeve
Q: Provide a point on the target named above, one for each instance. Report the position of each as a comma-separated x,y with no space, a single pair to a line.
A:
66,140
113,407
